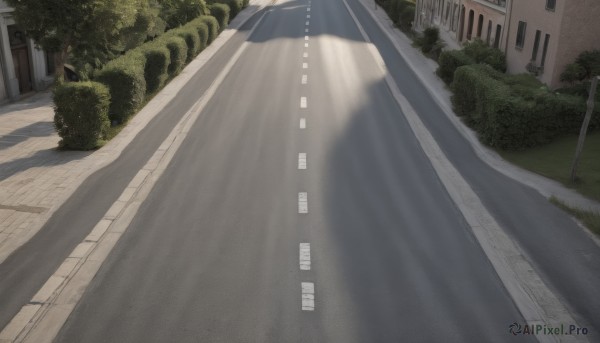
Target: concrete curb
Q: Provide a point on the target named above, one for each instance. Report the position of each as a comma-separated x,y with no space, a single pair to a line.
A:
441,95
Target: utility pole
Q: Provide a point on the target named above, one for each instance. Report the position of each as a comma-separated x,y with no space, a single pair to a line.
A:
584,127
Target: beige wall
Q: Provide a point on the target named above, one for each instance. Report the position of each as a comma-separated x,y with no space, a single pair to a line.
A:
574,26
534,13
580,31
496,14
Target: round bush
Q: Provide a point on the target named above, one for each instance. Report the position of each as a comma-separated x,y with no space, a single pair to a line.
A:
221,13
81,114
449,61
177,53
202,29
192,39
124,77
213,27
158,59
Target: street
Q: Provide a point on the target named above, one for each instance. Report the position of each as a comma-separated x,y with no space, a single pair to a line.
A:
302,208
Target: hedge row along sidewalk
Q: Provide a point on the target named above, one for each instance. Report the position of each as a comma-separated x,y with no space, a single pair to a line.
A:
36,179
132,79
425,70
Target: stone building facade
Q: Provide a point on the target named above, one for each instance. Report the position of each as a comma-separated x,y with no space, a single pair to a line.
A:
23,67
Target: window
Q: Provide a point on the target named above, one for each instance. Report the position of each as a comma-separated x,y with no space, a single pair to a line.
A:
489,33
546,41
536,45
550,5
521,34
497,37
479,26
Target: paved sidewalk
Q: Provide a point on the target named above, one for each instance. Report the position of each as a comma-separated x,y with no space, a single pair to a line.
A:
36,178
425,70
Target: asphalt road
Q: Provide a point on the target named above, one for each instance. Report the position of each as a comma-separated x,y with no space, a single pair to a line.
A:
213,253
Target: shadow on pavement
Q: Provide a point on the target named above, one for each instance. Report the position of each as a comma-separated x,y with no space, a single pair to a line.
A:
40,159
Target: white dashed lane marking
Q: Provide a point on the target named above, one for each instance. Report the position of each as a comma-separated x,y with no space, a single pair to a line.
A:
303,123
303,103
308,296
307,23
304,256
304,65
305,37
305,55
308,9
302,202
302,160
306,45
304,79
305,30
308,16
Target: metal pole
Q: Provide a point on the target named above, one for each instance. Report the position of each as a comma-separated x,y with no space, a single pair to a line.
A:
584,127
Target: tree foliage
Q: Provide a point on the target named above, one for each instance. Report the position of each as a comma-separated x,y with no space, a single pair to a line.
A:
59,26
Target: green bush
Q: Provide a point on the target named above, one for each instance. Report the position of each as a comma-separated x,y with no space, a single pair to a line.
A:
81,114
158,59
590,62
192,40
245,3
221,13
235,6
202,29
179,12
482,53
213,27
406,18
463,88
573,72
124,77
449,61
509,122
177,53
524,85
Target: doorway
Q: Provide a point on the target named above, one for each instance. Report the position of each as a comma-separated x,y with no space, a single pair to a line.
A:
20,56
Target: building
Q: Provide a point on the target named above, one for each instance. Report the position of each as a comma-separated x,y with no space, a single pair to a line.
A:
24,68
443,14
461,21
485,20
546,35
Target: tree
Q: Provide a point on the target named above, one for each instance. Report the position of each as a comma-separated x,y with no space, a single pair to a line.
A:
61,25
179,12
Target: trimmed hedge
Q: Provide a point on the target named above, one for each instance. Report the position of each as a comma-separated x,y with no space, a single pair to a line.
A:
202,30
81,114
449,61
177,53
221,13
514,112
192,40
235,7
482,53
213,27
124,77
158,59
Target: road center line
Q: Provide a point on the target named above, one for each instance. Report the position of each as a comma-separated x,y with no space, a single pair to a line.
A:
308,9
303,123
308,16
305,37
306,30
308,296
302,160
306,45
303,103
305,256
302,202
305,55
307,22
304,65
304,79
